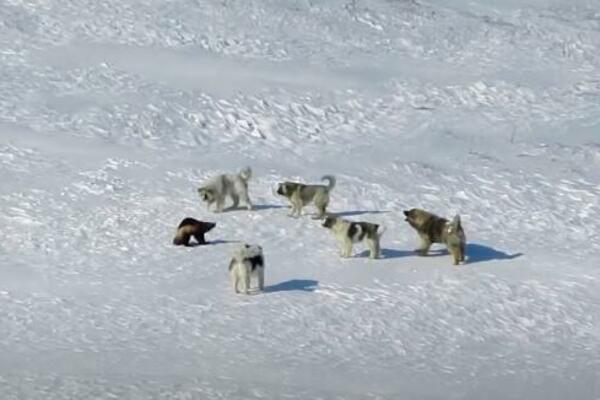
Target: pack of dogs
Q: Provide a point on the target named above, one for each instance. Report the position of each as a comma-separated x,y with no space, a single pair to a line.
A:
248,260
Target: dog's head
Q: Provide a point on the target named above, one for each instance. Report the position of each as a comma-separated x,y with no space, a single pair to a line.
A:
416,217
286,188
248,251
206,194
329,222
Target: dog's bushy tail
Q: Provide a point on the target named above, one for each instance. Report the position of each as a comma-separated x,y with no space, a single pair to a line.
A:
455,224
246,173
331,181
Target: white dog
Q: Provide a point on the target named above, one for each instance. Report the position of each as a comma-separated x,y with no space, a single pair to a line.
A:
232,185
247,261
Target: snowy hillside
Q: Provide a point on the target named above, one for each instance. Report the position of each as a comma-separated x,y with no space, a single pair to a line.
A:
113,113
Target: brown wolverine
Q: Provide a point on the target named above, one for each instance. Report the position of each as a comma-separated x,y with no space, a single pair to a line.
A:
192,227
434,229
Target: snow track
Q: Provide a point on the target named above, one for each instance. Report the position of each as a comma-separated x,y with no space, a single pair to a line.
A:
113,113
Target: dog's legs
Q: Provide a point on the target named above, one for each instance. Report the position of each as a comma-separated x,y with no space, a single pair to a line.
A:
455,251
293,210
220,204
321,204
246,200
373,248
236,200
321,211
425,245
462,252
234,281
296,209
246,280
341,246
347,248
261,278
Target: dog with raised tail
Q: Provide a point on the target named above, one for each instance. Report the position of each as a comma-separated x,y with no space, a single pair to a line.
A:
227,185
433,229
247,262
301,194
349,232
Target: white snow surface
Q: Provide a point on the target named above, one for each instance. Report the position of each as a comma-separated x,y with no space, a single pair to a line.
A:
113,112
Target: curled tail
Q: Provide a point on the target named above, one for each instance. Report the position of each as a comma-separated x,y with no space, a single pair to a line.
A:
331,181
246,173
455,224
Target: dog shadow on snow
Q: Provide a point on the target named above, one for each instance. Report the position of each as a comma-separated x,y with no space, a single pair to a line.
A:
255,207
475,253
211,242
387,253
479,253
302,285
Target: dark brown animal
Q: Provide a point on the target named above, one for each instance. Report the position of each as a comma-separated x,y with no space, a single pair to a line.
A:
192,227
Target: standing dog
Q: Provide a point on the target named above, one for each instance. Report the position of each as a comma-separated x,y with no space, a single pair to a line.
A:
348,232
247,261
232,185
434,229
300,194
192,227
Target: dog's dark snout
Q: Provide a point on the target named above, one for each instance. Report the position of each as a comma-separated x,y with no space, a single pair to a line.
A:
406,212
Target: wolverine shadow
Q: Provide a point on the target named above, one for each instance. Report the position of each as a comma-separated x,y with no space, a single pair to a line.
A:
302,285
357,212
221,241
387,253
479,253
211,242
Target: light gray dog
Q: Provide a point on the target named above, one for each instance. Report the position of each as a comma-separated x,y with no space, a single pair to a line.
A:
300,195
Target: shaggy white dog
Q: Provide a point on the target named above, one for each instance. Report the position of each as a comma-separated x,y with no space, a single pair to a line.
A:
232,185
247,261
